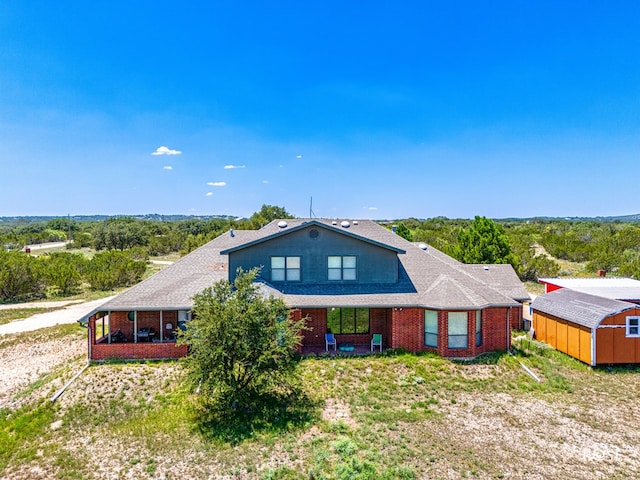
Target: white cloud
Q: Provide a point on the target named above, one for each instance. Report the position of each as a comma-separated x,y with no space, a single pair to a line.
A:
166,151
217,184
168,167
371,208
231,167
298,156
265,181
208,194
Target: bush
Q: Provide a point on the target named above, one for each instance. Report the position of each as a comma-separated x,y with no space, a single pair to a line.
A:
112,269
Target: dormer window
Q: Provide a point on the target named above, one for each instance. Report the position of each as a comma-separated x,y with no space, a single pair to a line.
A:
342,267
285,269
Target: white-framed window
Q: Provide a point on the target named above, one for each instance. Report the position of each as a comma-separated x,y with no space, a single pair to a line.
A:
478,328
342,267
633,326
285,269
457,330
430,328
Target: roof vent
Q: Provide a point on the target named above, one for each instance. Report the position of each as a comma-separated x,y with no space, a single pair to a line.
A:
231,234
355,222
394,228
486,267
423,246
282,224
344,224
334,223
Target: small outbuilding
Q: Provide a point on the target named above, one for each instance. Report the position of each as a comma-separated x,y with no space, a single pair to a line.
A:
618,288
593,329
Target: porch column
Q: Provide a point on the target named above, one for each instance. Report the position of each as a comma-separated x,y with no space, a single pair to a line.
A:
161,331
110,332
135,326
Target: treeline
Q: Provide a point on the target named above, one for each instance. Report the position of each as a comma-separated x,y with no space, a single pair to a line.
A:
24,277
123,247
610,246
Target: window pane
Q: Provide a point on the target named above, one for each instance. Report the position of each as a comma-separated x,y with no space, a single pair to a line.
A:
457,341
333,320
293,275
277,262
457,329
457,323
348,320
335,262
349,262
277,275
431,339
431,321
633,322
293,262
362,320
334,274
633,330
430,328
349,274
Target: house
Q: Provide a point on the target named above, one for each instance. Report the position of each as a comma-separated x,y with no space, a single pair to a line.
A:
594,329
351,278
627,289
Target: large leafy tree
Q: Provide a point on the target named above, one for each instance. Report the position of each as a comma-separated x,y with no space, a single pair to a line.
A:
20,277
241,344
120,234
484,242
267,214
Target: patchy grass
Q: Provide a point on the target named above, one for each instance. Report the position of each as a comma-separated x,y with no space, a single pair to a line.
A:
397,416
12,314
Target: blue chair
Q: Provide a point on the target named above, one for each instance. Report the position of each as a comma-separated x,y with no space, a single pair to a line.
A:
376,341
329,339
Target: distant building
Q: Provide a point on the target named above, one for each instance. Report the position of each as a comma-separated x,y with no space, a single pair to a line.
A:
626,289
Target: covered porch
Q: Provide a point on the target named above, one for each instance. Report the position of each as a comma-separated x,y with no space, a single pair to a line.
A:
133,335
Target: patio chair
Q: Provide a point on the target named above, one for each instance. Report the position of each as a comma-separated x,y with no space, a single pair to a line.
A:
329,339
376,341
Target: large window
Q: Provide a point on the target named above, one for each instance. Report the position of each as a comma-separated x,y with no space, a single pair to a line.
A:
478,328
285,269
633,326
457,330
348,320
430,328
342,268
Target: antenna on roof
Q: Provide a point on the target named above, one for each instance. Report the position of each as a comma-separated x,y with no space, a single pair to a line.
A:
311,214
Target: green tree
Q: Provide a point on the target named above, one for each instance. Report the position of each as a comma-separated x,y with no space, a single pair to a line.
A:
21,277
111,269
120,234
484,242
64,271
267,214
403,231
241,344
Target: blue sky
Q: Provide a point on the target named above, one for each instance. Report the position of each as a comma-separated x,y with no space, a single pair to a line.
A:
374,109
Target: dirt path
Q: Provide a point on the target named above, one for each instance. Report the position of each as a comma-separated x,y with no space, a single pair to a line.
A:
69,314
60,303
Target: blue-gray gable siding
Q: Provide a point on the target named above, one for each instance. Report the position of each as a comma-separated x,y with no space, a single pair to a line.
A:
374,264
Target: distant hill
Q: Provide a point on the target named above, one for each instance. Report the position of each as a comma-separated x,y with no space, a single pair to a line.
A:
99,218
621,219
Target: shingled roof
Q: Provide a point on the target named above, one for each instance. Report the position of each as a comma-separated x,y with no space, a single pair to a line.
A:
428,277
580,308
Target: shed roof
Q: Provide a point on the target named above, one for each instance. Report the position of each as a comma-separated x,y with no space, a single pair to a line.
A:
578,307
428,278
614,288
